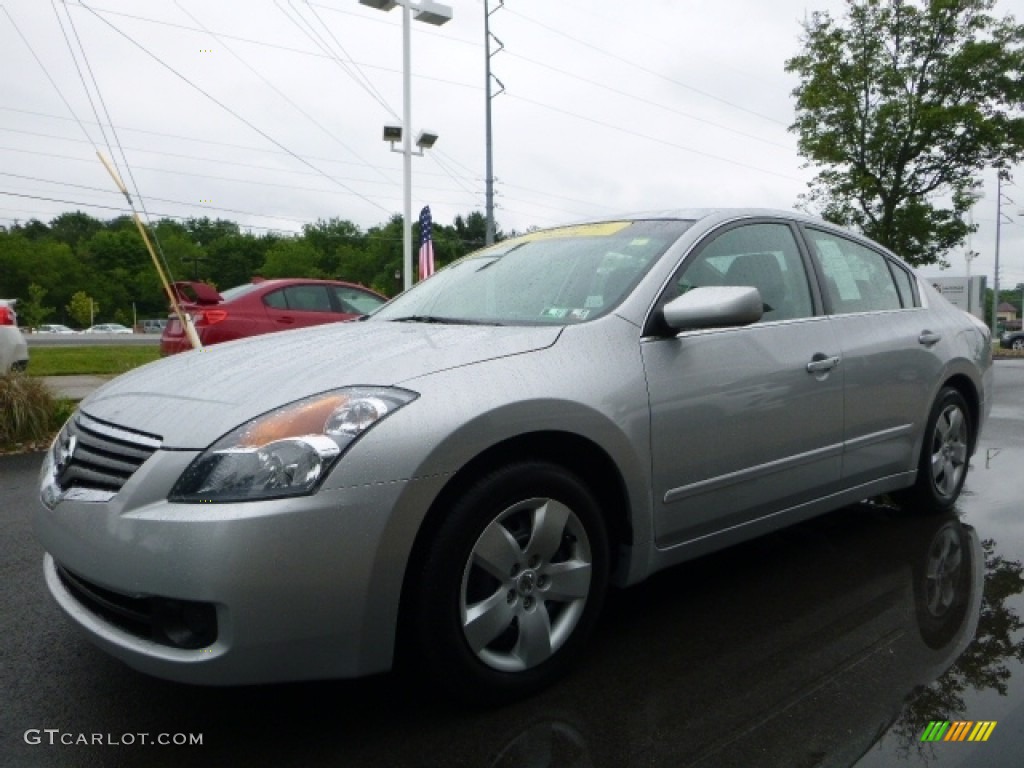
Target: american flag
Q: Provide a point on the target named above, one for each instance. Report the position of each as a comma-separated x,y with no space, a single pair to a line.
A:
426,244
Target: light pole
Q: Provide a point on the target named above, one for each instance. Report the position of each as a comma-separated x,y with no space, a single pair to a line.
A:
431,13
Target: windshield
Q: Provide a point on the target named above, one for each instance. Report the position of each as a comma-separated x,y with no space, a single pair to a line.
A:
548,277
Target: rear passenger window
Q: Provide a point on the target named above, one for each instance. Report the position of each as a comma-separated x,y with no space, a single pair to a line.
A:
276,300
904,284
308,298
857,279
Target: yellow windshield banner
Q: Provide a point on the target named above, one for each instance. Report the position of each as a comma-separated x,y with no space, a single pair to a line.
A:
604,229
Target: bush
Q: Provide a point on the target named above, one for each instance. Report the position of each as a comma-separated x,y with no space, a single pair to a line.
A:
28,410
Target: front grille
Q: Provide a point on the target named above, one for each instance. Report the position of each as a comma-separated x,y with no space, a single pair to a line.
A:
175,623
92,454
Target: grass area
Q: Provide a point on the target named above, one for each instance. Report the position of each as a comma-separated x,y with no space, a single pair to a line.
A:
100,361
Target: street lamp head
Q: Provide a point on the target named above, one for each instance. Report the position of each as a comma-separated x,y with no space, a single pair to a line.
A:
432,13
380,5
392,133
426,139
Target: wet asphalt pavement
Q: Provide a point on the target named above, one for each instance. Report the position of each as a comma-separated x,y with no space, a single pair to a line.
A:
833,643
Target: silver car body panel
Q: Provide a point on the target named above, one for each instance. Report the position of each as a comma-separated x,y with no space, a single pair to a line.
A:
310,587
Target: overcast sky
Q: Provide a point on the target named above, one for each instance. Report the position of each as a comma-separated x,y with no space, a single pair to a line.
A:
608,107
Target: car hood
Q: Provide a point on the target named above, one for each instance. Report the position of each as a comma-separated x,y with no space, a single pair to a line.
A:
192,399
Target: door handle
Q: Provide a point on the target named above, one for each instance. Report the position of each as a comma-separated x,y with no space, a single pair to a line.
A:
286,319
928,338
822,363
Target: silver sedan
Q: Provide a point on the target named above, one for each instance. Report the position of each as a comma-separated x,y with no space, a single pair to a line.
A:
458,479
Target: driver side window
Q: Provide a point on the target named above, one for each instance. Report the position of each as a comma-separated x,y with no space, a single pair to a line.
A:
764,256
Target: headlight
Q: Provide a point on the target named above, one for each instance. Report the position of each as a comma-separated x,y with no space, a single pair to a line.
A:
286,452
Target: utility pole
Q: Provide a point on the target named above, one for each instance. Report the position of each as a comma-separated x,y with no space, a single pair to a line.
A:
1002,176
970,255
488,76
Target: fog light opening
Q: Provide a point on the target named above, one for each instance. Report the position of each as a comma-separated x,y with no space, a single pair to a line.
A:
184,624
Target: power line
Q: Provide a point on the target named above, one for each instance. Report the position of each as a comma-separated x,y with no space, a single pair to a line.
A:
214,160
232,112
359,76
121,208
47,73
276,90
651,102
648,71
682,147
157,199
210,176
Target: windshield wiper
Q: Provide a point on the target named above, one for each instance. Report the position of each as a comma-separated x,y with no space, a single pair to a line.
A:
440,320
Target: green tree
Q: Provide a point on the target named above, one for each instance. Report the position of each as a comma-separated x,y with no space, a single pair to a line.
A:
32,311
73,228
293,257
83,308
900,108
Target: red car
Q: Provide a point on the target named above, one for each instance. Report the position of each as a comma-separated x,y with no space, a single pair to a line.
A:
263,306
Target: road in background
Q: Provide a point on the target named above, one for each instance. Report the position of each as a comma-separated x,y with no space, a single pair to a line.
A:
90,339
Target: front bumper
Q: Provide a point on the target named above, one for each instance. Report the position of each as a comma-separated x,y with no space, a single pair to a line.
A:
302,588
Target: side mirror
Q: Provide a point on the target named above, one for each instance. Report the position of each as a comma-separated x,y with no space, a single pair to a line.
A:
714,307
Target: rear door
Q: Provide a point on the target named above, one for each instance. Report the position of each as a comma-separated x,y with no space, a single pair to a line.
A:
300,305
892,356
744,421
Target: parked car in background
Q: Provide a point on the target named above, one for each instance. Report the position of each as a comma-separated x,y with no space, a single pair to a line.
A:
1012,340
54,328
264,306
461,477
155,325
13,347
108,328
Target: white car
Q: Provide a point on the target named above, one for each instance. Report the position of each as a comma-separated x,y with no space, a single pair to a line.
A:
55,328
108,328
13,347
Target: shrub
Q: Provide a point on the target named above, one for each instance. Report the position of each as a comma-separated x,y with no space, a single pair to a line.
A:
28,409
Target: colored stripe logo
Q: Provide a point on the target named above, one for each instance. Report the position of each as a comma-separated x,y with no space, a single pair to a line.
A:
960,730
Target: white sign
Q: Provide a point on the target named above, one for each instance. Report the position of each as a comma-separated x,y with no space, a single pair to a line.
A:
962,292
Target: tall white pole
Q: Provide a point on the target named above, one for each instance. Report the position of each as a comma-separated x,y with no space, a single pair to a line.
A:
406,150
999,226
489,175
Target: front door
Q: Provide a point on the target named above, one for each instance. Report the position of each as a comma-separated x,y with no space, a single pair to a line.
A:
746,421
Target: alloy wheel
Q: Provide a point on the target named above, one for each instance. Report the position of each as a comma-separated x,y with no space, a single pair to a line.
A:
525,585
949,450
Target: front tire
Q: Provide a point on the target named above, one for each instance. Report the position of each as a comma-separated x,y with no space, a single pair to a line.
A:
512,584
945,455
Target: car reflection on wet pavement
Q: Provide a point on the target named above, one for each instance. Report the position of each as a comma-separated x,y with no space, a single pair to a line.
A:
832,643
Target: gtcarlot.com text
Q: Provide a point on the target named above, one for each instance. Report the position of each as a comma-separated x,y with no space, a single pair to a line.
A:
57,737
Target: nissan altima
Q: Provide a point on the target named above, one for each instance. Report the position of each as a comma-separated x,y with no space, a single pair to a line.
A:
458,479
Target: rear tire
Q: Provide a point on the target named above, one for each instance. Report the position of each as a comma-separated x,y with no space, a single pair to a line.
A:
945,455
512,584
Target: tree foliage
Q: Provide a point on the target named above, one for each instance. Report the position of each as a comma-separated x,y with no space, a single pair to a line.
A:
32,311
900,107
76,258
83,308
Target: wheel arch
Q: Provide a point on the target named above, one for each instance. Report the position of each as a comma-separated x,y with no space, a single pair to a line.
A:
571,451
965,386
